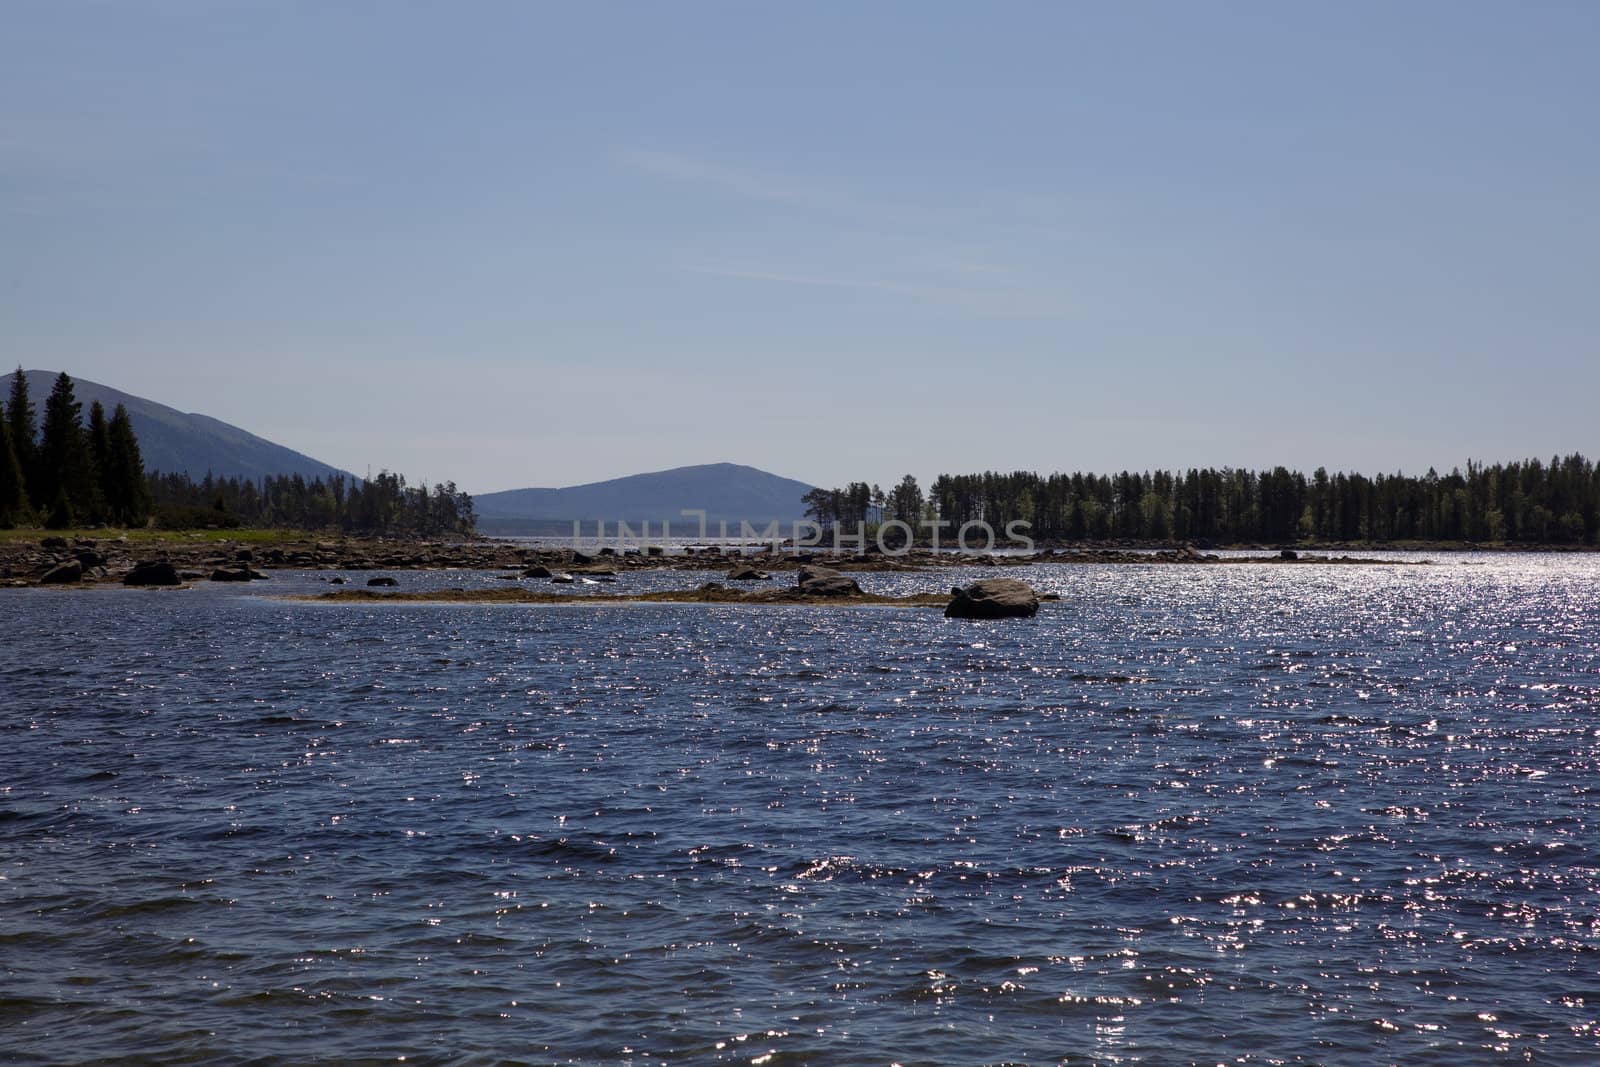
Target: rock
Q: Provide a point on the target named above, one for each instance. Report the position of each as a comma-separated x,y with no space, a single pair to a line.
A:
817,571
1288,553
562,579
382,581
840,586
245,555
582,558
825,581
63,574
993,598
89,558
748,574
538,570
53,542
240,573
336,581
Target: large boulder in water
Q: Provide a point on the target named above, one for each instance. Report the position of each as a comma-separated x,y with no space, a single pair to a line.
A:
747,574
993,598
383,582
825,581
63,574
152,572
240,573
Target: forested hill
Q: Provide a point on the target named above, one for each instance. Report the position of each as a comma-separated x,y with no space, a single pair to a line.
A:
63,466
174,442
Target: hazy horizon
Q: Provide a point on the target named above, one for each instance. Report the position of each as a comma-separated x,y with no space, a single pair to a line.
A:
523,246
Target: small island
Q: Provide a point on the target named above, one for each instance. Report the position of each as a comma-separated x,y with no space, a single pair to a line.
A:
990,598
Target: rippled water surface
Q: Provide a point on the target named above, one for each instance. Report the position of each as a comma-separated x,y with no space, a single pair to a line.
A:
1252,814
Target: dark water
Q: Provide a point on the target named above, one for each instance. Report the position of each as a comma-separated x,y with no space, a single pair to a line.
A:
1188,815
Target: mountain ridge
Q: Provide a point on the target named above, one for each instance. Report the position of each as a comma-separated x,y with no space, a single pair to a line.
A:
730,492
173,441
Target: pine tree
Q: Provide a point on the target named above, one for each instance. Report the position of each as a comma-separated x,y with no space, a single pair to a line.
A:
13,490
66,469
61,515
905,500
24,431
99,441
127,493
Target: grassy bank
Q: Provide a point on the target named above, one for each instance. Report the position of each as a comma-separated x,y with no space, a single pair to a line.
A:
153,536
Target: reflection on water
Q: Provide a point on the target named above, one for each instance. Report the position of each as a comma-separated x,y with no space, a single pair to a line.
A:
1187,814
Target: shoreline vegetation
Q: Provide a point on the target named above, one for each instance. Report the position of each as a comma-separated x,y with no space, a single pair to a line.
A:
1529,502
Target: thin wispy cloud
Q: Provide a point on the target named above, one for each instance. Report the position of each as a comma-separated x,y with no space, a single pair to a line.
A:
746,183
54,145
1028,207
199,10
995,302
912,264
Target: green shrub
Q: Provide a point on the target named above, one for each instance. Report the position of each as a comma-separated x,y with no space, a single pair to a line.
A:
177,517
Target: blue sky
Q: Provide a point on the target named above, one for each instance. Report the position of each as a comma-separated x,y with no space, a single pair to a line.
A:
534,244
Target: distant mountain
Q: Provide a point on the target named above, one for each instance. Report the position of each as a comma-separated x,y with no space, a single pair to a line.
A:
172,441
726,491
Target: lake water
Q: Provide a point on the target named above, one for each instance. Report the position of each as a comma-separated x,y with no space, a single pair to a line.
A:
1250,814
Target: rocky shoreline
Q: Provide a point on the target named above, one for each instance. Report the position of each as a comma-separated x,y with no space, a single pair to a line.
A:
989,598
711,593
60,561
